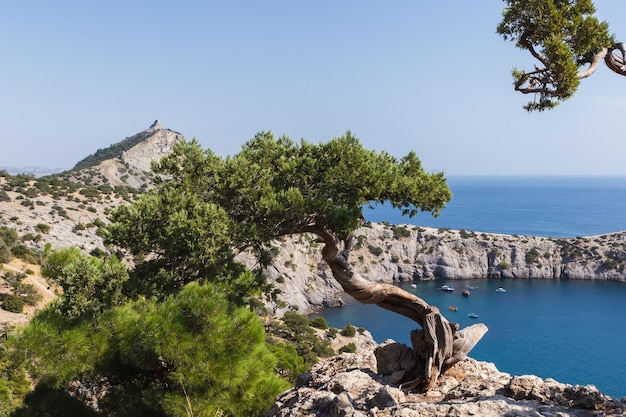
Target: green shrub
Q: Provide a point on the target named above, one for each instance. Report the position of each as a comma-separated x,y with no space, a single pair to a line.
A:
532,256
5,253
348,331
289,365
8,236
42,228
319,323
375,250
13,303
192,351
400,231
349,348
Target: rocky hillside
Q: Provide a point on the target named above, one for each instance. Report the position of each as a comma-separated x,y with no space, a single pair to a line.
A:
68,209
362,384
126,163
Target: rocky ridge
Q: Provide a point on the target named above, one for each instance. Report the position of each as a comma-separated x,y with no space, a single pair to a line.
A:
130,166
361,384
71,216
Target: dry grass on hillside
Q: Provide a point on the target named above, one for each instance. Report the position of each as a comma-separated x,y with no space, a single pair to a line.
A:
33,278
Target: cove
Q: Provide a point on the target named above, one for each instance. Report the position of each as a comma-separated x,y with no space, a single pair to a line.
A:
571,331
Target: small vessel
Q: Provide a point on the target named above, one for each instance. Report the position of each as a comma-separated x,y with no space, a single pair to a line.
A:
469,287
500,289
466,293
414,285
453,308
446,288
472,315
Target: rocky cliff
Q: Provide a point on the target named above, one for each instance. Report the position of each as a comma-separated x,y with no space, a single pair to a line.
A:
126,163
401,253
361,384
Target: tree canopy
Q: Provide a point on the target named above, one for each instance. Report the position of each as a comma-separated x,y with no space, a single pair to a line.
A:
208,209
567,42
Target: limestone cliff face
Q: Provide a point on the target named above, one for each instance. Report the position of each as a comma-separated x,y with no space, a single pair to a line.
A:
401,253
158,144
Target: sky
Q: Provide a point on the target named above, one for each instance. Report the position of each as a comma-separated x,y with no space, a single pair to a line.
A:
429,76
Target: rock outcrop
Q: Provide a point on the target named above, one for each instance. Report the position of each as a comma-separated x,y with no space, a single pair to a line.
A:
359,385
127,163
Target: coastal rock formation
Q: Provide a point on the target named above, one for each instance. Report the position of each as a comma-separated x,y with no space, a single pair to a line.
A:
361,384
405,253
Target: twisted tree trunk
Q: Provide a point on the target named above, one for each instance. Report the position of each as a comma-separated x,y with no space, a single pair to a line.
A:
437,346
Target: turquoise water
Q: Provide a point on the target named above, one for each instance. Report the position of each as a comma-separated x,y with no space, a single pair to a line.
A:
572,331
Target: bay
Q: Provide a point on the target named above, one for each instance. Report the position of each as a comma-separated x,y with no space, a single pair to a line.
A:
572,331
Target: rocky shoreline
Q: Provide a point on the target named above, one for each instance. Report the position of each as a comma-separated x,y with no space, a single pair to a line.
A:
361,384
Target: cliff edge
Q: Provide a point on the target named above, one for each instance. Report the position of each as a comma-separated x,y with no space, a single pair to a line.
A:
350,385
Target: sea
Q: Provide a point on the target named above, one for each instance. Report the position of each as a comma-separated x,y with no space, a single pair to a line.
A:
571,331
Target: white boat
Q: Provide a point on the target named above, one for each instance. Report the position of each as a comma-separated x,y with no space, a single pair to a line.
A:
472,315
500,289
413,285
446,288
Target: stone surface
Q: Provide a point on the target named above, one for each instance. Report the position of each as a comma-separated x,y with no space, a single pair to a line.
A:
349,385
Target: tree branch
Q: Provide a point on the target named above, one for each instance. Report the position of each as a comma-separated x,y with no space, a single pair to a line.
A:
437,346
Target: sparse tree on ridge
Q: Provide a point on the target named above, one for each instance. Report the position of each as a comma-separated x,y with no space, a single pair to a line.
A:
274,188
567,42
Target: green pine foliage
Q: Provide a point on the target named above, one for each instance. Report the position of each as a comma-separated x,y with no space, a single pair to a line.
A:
90,285
562,36
207,209
192,350
12,303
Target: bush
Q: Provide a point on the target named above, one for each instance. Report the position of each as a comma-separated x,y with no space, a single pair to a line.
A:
532,256
348,331
42,228
13,303
349,348
8,236
319,323
400,232
192,351
289,364
375,250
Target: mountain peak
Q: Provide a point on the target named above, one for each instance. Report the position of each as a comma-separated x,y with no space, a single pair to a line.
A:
156,125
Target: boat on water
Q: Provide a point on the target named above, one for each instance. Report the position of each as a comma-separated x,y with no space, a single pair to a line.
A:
500,289
466,293
472,315
414,285
446,288
469,287
453,308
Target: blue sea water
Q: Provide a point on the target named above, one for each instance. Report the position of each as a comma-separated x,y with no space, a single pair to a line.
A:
535,206
572,331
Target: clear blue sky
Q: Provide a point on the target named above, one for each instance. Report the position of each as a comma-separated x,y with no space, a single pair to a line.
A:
429,76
